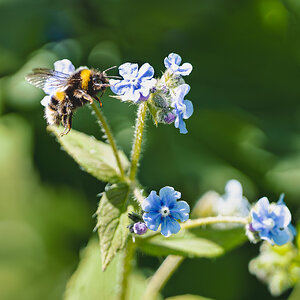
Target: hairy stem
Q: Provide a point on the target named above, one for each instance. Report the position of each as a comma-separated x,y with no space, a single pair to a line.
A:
110,138
138,194
138,137
126,270
161,276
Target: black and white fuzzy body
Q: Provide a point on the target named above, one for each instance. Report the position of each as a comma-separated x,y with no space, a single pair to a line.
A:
67,91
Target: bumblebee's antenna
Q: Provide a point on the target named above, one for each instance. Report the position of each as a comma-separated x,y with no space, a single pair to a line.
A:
111,76
109,68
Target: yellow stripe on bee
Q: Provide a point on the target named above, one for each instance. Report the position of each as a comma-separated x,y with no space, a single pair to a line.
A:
60,96
85,78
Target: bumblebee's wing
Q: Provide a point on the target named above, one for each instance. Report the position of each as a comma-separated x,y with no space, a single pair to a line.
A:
48,80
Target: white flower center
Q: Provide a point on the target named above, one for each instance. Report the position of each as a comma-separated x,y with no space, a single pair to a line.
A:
134,82
269,223
164,211
174,67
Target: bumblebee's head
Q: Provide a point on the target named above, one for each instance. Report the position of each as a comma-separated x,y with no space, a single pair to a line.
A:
99,81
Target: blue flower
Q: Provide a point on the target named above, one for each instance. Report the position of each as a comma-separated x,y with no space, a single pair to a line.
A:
183,109
164,210
172,63
63,66
272,221
136,83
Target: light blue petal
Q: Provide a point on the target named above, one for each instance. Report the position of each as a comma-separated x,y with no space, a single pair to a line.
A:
152,220
174,58
119,87
262,206
179,123
128,70
64,66
152,203
174,69
146,71
182,126
283,216
131,94
180,92
256,221
148,83
167,62
180,211
145,91
169,226
266,235
189,109
136,96
169,196
282,237
233,188
176,122
113,82
185,69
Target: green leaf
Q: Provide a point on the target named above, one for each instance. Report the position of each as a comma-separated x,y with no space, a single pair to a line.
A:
95,157
194,243
112,221
90,283
188,297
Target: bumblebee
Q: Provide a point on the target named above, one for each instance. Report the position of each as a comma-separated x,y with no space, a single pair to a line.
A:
67,90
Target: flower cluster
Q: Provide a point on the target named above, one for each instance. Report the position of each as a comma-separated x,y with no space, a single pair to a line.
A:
271,222
164,210
167,104
277,266
231,203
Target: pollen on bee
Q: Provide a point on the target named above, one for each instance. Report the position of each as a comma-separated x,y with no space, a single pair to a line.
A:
85,77
60,96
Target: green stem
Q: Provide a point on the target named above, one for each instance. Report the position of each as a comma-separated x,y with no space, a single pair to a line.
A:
161,276
135,156
110,138
126,269
193,223
137,144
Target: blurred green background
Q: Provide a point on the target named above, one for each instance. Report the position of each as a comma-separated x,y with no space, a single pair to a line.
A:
246,125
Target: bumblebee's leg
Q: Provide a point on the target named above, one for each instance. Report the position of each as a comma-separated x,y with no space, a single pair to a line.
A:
67,122
83,95
67,119
64,121
98,99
